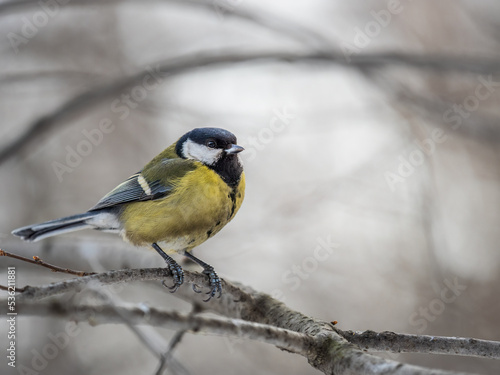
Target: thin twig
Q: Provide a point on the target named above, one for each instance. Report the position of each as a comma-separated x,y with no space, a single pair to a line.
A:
38,261
122,314
3,287
285,27
167,357
153,341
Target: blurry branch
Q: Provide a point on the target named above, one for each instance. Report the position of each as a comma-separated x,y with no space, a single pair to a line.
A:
66,111
125,318
322,349
60,73
270,21
184,64
3,287
286,339
248,314
165,357
218,8
403,343
433,107
480,126
38,261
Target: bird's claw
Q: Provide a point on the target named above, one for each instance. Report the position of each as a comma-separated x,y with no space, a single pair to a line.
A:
195,288
178,276
213,278
215,283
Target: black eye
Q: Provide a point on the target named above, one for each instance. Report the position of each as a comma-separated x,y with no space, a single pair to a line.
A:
211,144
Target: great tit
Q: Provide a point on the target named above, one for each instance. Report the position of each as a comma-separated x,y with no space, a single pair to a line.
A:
181,198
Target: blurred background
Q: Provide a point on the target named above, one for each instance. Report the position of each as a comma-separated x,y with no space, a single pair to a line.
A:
372,159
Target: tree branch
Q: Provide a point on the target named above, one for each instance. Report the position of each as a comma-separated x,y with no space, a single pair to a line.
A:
324,348
283,338
32,293
165,357
183,64
403,343
270,21
38,261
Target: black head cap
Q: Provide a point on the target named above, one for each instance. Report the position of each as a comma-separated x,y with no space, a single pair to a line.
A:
223,138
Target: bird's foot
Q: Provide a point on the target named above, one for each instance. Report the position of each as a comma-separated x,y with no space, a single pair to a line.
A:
174,268
214,280
177,275
215,283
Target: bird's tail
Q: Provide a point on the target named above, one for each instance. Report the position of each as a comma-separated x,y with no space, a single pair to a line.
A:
51,228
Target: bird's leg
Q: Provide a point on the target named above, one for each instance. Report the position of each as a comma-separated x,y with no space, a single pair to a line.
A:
215,284
173,267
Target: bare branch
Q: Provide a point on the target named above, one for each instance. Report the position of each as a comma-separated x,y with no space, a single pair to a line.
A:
167,357
403,343
270,21
32,293
3,287
325,349
145,338
289,340
183,64
38,261
124,317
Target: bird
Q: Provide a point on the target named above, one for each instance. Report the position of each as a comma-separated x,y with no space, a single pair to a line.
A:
181,198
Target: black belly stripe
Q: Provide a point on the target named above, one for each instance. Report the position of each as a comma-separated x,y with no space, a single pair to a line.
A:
232,195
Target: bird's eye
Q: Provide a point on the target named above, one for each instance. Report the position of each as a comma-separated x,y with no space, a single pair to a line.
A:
211,144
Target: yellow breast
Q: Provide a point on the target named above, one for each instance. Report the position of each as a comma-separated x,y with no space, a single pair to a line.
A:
201,204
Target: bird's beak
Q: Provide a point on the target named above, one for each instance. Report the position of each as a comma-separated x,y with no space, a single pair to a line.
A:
234,149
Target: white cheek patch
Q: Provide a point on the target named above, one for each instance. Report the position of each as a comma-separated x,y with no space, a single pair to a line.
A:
193,150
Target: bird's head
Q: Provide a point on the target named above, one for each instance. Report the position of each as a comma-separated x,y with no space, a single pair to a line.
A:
209,146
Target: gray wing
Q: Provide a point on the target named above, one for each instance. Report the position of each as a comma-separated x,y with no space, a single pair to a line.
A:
134,189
